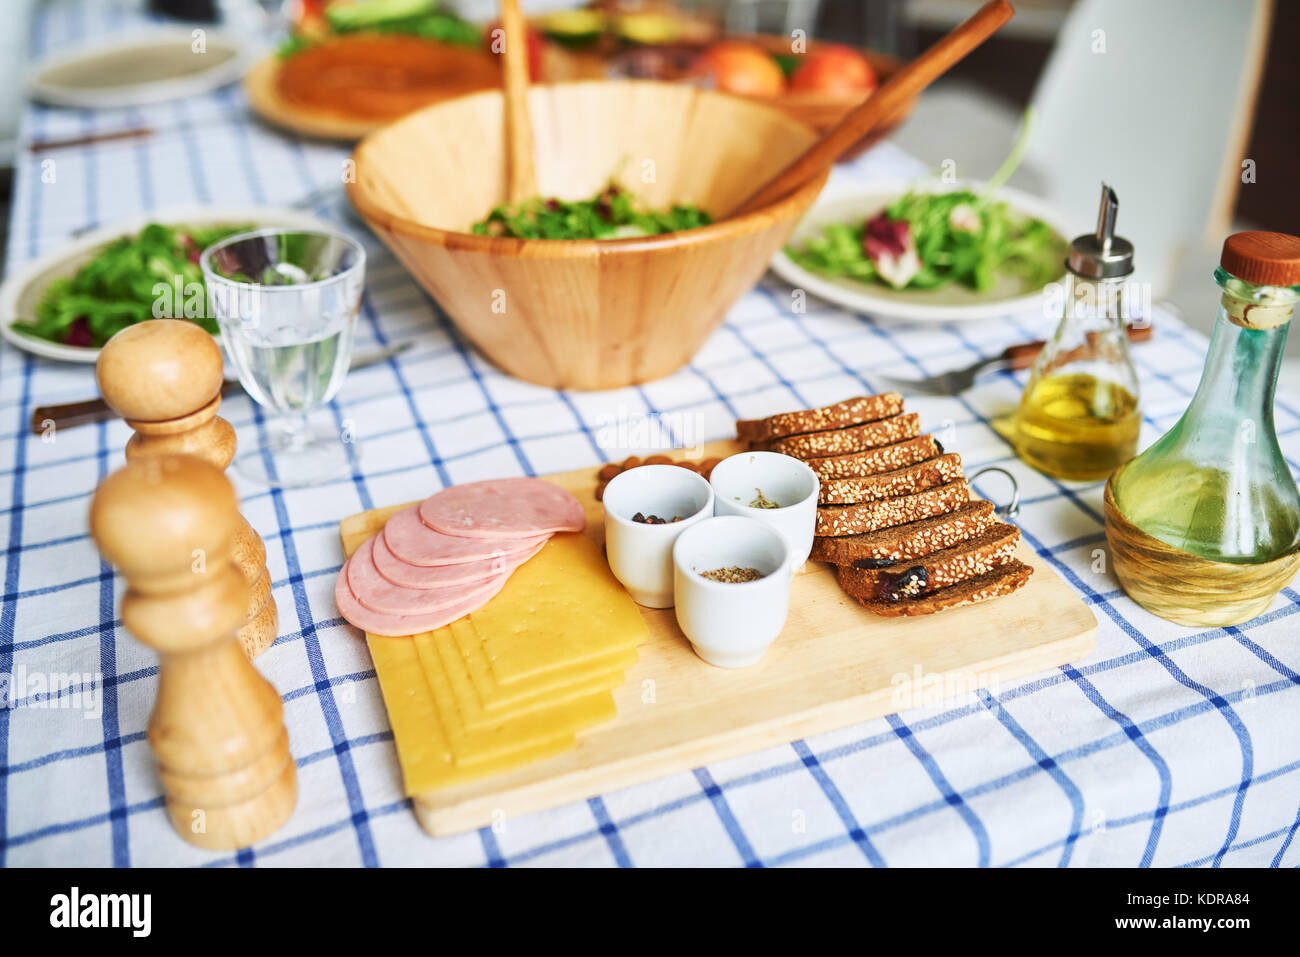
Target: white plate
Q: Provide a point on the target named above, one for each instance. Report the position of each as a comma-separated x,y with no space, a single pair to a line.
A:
952,303
141,67
23,289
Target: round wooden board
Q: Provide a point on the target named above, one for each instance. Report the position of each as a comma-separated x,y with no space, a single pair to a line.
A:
261,86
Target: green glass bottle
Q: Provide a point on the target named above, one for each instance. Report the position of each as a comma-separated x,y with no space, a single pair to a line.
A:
1216,484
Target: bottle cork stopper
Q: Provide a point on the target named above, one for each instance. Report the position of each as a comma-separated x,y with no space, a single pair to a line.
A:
1262,258
159,369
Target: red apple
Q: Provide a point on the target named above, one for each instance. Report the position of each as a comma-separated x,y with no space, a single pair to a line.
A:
494,39
743,68
830,68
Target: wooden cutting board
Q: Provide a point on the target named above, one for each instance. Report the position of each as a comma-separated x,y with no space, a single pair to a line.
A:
835,664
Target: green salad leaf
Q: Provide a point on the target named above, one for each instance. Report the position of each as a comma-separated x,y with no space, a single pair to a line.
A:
612,214
417,18
958,237
118,287
411,17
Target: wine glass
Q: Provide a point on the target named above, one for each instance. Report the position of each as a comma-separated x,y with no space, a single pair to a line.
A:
286,301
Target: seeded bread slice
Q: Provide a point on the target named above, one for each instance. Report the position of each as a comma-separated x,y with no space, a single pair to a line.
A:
873,488
1002,580
856,438
901,580
907,541
864,408
901,509
884,459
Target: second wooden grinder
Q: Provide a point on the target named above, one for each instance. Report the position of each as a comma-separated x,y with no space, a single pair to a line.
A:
164,377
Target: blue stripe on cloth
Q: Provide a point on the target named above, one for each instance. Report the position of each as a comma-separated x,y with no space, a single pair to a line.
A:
9,609
718,800
950,796
1214,698
469,360
426,436
609,830
1139,739
855,832
1286,842
108,666
491,849
1045,762
329,708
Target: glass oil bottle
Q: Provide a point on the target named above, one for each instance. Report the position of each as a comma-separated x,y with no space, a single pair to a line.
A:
1078,416
1204,524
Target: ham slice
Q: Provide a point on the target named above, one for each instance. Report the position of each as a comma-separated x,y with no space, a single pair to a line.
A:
398,626
502,509
413,542
436,576
377,593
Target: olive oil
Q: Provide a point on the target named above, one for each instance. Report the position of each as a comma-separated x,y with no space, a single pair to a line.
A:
1077,426
1209,512
1078,417
1216,485
1202,527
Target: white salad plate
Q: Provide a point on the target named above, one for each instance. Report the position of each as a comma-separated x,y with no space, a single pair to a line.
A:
149,66
26,286
951,303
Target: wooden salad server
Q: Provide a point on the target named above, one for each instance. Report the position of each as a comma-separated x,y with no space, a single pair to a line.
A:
902,86
521,175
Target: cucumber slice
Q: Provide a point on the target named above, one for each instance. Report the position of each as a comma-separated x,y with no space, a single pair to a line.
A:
573,27
369,13
648,28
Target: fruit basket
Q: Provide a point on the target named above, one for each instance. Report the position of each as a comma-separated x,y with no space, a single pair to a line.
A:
823,108
817,85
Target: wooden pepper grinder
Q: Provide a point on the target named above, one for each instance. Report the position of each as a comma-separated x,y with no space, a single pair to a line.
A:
167,523
164,377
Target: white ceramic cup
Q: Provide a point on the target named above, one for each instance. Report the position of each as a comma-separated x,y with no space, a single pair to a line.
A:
641,555
731,624
736,482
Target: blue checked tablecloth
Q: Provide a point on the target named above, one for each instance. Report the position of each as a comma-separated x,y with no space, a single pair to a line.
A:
1168,746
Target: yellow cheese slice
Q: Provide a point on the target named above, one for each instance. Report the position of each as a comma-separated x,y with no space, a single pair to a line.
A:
476,713
561,608
423,750
503,737
533,692
514,683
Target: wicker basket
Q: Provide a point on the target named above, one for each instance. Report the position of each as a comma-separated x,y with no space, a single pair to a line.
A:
1186,588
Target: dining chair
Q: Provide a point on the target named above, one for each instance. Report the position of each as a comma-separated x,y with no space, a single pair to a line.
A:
1157,98
770,16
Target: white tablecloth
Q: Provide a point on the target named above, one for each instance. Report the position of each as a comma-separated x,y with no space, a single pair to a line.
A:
1168,746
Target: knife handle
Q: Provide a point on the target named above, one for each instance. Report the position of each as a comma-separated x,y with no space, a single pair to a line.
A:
69,414
1022,356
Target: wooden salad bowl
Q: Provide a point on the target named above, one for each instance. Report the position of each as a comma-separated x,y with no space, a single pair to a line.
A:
585,314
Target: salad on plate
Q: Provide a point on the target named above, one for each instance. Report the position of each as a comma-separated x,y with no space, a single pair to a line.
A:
930,239
119,286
